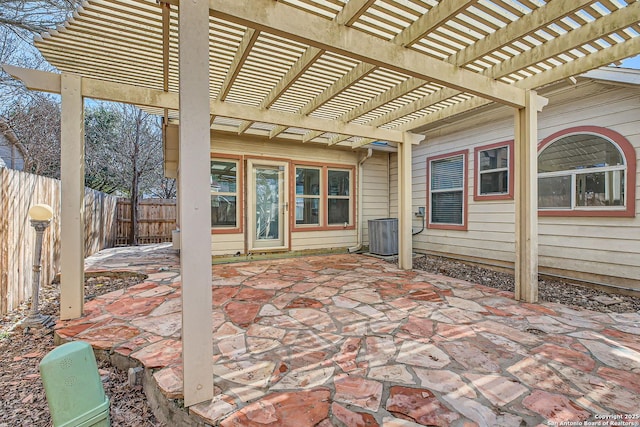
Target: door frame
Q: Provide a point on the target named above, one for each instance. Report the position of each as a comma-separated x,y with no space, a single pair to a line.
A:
284,208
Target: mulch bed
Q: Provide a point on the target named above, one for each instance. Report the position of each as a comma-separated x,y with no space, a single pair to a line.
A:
23,401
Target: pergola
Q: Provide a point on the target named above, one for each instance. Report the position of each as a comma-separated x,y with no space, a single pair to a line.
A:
335,72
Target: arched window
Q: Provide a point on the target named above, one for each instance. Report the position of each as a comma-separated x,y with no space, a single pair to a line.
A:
586,171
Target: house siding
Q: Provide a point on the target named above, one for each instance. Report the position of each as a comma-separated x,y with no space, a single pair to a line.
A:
375,189
10,155
603,250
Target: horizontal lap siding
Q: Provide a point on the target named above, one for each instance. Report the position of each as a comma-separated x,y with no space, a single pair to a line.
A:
228,244
490,223
375,188
330,239
598,246
259,147
393,184
599,249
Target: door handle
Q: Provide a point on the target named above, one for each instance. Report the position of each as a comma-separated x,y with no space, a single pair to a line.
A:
286,206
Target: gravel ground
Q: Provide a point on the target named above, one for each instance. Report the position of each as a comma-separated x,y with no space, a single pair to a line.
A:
550,290
22,397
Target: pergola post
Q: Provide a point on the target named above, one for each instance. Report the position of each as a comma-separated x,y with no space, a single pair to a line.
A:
526,198
405,238
72,195
195,213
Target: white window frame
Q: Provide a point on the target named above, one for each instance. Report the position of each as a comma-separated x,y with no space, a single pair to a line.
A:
319,197
573,173
235,194
462,189
481,172
348,197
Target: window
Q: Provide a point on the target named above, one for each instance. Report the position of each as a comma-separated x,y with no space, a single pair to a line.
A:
308,196
583,171
339,201
446,178
323,195
225,200
493,179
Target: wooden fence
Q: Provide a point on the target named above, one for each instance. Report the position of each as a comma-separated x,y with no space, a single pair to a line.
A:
18,192
156,220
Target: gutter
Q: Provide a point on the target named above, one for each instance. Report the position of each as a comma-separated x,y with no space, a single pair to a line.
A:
359,202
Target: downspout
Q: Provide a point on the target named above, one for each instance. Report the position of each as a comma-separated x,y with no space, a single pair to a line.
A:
359,202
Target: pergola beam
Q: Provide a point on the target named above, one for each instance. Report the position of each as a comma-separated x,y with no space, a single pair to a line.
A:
352,11
437,16
118,92
434,18
294,24
617,20
347,16
247,42
305,122
357,73
589,32
576,67
297,69
528,24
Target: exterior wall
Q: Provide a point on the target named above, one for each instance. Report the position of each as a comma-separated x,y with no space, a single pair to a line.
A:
375,183
10,157
604,250
375,201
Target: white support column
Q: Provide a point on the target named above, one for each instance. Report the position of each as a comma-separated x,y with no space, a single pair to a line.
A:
72,195
405,238
195,205
526,198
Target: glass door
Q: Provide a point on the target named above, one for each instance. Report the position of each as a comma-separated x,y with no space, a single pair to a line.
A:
268,205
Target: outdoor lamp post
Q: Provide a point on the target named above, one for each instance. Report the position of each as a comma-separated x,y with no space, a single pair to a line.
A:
40,216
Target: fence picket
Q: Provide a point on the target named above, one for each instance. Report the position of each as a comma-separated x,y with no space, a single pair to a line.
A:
156,221
18,192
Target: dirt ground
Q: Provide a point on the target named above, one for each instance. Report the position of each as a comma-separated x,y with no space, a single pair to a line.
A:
23,401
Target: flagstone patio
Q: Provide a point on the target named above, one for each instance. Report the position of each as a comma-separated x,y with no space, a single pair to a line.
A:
351,340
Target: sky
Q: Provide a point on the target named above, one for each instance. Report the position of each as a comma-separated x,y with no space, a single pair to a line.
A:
632,62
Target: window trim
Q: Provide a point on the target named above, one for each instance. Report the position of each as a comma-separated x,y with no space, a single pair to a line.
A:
324,196
320,196
629,154
240,194
465,190
510,173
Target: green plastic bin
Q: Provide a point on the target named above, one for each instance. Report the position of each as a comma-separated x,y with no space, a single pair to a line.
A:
73,387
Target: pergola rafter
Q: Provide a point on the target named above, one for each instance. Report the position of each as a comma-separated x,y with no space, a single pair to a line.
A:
511,41
581,65
436,16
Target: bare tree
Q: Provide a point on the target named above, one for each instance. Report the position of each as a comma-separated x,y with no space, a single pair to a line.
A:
124,151
164,188
34,15
20,20
33,127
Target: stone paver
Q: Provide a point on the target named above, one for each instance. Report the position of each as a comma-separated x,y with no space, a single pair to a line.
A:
339,340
